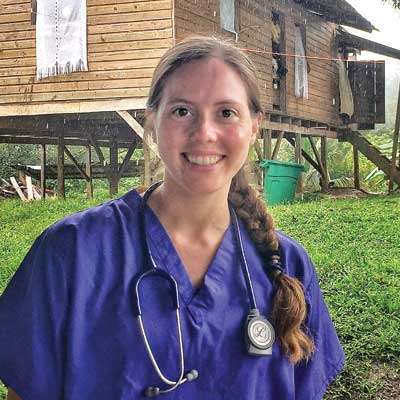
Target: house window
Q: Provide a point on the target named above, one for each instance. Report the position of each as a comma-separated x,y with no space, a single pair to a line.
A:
279,69
300,64
227,13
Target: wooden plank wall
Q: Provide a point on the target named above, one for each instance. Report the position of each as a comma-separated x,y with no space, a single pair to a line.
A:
254,26
125,40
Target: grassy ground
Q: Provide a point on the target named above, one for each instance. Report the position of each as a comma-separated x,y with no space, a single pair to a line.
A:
355,245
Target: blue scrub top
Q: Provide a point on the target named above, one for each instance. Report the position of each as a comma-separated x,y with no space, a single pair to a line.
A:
68,329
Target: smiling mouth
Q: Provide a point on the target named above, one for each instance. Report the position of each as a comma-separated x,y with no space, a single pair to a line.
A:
203,160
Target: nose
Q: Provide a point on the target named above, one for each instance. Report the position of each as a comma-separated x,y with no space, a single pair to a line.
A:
206,128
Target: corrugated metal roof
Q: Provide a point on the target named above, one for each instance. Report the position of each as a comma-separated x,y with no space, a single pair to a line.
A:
338,11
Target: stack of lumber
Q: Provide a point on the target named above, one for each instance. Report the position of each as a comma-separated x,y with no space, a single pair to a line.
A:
24,189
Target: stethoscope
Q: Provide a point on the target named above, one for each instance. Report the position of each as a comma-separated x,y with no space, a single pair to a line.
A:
259,334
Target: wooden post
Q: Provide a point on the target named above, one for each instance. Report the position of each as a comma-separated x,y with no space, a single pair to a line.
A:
43,171
356,166
60,168
299,159
324,163
88,170
277,145
267,143
113,166
395,146
147,160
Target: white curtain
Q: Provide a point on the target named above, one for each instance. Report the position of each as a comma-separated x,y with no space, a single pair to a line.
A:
346,94
60,37
300,67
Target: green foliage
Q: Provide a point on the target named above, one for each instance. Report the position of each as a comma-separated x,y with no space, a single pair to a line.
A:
395,3
355,246
12,154
357,274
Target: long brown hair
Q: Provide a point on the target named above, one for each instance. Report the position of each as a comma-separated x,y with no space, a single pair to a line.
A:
289,306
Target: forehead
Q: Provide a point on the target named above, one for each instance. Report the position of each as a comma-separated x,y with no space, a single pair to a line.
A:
207,78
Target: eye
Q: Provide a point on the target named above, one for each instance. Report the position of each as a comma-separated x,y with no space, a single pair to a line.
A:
181,112
228,113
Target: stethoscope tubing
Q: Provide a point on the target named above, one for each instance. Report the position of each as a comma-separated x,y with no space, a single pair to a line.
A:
154,270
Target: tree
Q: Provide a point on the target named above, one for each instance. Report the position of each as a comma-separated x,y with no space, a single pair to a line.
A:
396,3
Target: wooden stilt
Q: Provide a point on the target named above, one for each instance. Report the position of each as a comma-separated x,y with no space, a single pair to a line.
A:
356,166
267,144
299,159
88,170
395,146
147,160
60,168
43,171
324,163
127,158
113,166
277,145
322,171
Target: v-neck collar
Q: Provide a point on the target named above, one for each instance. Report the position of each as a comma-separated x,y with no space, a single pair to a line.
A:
167,258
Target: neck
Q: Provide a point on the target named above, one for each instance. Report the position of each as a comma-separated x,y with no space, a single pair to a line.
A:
190,213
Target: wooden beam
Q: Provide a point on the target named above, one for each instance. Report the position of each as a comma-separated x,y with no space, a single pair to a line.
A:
324,161
277,145
97,149
299,159
267,143
18,189
395,145
127,158
43,171
113,177
139,130
60,168
323,173
290,128
63,107
29,187
75,162
147,160
10,138
88,170
356,166
305,155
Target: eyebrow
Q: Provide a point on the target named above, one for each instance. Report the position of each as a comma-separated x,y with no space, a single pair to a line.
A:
186,101
178,100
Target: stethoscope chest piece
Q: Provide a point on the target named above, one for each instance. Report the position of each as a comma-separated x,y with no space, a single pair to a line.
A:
259,334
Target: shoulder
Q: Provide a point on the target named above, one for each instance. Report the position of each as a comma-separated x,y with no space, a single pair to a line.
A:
296,260
103,218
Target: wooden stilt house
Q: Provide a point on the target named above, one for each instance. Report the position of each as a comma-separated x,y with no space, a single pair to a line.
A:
295,44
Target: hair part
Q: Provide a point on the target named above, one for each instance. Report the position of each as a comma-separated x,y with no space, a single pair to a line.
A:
201,48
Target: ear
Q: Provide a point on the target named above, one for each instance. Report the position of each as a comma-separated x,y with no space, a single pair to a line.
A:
149,118
257,120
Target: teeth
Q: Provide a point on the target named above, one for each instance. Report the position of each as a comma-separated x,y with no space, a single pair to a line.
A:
199,160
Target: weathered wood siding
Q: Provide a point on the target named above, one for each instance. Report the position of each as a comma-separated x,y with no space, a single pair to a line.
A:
254,26
125,40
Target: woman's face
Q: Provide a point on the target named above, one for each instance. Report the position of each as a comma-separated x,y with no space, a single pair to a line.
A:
204,126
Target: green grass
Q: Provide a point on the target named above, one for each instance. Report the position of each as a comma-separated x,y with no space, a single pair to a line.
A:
355,246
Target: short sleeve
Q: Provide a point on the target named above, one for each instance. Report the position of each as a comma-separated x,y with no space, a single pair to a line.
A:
314,376
33,311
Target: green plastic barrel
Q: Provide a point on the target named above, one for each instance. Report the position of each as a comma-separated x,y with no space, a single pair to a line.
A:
280,180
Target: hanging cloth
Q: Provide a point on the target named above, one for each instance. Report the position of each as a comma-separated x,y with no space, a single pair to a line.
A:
300,67
60,37
346,95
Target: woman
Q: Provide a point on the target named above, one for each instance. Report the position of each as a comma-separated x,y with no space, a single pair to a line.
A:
88,314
